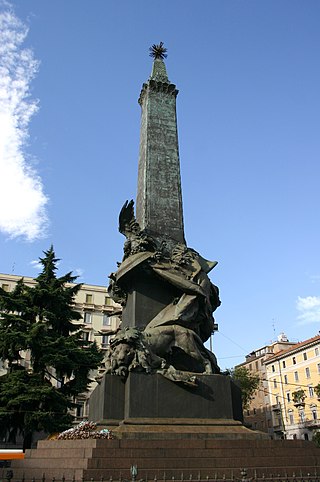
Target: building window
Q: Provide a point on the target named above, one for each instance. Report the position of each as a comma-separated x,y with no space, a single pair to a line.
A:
307,372
296,376
318,368
314,414
257,365
80,409
105,341
272,368
291,419
254,411
108,301
5,287
311,391
274,383
288,396
302,416
248,413
89,299
286,379
284,364
86,335
106,320
316,351
305,356
87,318
294,361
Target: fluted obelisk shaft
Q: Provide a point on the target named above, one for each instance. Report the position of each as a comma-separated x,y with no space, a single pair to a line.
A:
159,200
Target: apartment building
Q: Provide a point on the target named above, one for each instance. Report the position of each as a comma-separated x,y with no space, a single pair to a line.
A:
293,375
259,415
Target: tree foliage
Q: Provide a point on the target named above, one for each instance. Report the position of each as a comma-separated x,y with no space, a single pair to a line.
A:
39,322
249,383
299,396
317,390
316,438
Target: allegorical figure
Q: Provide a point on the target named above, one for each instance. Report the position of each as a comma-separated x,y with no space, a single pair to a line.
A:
174,338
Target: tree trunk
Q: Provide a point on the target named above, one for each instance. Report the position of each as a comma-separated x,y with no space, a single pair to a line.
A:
27,441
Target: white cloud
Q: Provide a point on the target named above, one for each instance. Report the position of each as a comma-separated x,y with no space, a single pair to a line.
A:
79,272
315,278
309,308
36,264
22,198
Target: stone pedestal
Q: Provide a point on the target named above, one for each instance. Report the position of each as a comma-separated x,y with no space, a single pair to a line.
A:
151,405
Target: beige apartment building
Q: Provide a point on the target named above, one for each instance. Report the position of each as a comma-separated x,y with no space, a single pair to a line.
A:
293,375
100,317
259,414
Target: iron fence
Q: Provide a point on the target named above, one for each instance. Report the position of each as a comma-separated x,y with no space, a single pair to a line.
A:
241,475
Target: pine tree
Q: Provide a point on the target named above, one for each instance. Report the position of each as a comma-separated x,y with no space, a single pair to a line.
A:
39,320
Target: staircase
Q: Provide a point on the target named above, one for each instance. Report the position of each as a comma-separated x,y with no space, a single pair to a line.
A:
97,460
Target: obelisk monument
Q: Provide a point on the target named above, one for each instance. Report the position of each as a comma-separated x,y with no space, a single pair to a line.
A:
159,199
163,369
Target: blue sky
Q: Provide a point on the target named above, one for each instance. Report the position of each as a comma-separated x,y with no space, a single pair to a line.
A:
248,118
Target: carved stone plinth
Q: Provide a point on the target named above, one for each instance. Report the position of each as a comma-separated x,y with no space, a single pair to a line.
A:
152,406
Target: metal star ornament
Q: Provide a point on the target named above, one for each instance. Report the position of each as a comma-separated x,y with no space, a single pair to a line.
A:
158,51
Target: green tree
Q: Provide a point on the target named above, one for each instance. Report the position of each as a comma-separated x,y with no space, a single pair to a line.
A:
39,321
316,438
317,390
299,396
249,383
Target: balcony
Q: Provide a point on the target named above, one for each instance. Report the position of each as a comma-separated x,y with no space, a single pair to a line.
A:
276,407
278,429
310,423
106,329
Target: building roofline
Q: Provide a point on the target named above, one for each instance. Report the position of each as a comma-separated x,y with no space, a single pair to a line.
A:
294,349
30,279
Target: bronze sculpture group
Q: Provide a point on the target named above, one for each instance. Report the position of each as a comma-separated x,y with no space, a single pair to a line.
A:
172,343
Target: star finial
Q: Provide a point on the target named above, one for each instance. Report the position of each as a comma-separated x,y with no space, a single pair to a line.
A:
158,51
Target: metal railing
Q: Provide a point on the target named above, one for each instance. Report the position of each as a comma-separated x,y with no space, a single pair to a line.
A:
240,475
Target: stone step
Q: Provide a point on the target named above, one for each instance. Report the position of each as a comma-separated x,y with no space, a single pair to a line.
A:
42,463
96,459
181,443
49,474
56,453
198,463
196,453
